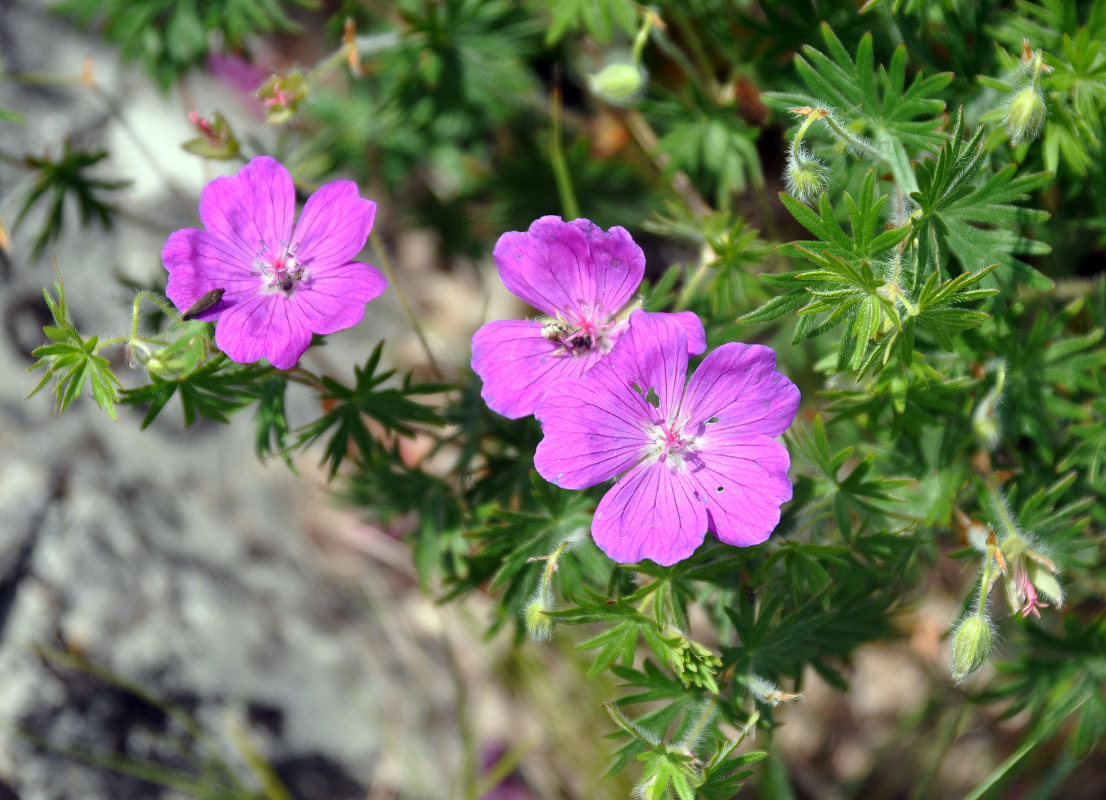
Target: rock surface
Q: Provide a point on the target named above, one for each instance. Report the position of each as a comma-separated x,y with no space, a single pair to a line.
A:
169,559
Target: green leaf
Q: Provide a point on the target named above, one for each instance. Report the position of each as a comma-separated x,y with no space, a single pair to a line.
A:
600,19
212,390
350,408
871,101
68,177
967,217
72,362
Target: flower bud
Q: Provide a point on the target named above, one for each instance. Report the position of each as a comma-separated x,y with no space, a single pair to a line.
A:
620,83
1025,115
539,625
282,95
971,644
216,139
804,176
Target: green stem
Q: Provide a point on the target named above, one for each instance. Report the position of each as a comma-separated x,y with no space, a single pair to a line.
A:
1004,517
389,271
551,562
852,140
693,734
691,285
329,63
643,35
985,584
557,157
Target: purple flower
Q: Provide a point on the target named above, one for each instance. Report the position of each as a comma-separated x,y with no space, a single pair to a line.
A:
280,284
583,279
694,455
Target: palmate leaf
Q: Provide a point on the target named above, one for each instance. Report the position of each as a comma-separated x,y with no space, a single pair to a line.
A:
346,421
862,244
974,223
894,115
863,281
68,177
515,546
71,362
212,390
857,494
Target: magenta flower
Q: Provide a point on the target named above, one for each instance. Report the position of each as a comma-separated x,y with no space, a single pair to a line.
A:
583,279
280,285
693,455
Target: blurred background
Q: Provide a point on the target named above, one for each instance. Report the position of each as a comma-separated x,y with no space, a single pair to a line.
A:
180,620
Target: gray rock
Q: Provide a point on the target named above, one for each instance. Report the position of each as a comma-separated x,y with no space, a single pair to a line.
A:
170,559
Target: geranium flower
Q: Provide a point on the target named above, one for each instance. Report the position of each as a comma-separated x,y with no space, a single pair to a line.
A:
583,280
280,285
690,456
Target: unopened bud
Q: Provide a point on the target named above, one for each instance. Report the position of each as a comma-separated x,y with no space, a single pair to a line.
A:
971,644
1025,115
804,175
620,83
216,139
282,95
539,625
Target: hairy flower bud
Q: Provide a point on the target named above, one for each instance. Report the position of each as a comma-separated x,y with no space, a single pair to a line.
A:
620,83
539,625
971,644
1025,114
804,175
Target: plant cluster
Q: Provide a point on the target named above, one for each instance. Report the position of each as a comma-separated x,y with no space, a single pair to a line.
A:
930,281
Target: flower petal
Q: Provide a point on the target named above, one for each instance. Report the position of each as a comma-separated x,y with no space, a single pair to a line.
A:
333,298
651,355
650,514
253,210
738,384
333,227
572,268
693,329
741,484
518,364
198,262
592,430
619,264
263,326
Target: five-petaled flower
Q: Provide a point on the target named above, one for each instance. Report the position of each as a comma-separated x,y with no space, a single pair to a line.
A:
584,280
694,455
280,284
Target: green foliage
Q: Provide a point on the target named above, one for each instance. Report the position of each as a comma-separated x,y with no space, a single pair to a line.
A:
878,103
947,351
346,421
67,177
600,19
709,141
974,224
861,281
850,496
169,38
71,361
213,390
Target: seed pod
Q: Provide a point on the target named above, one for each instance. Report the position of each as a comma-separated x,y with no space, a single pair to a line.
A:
203,304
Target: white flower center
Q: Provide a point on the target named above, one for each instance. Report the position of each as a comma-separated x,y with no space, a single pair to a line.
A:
281,272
